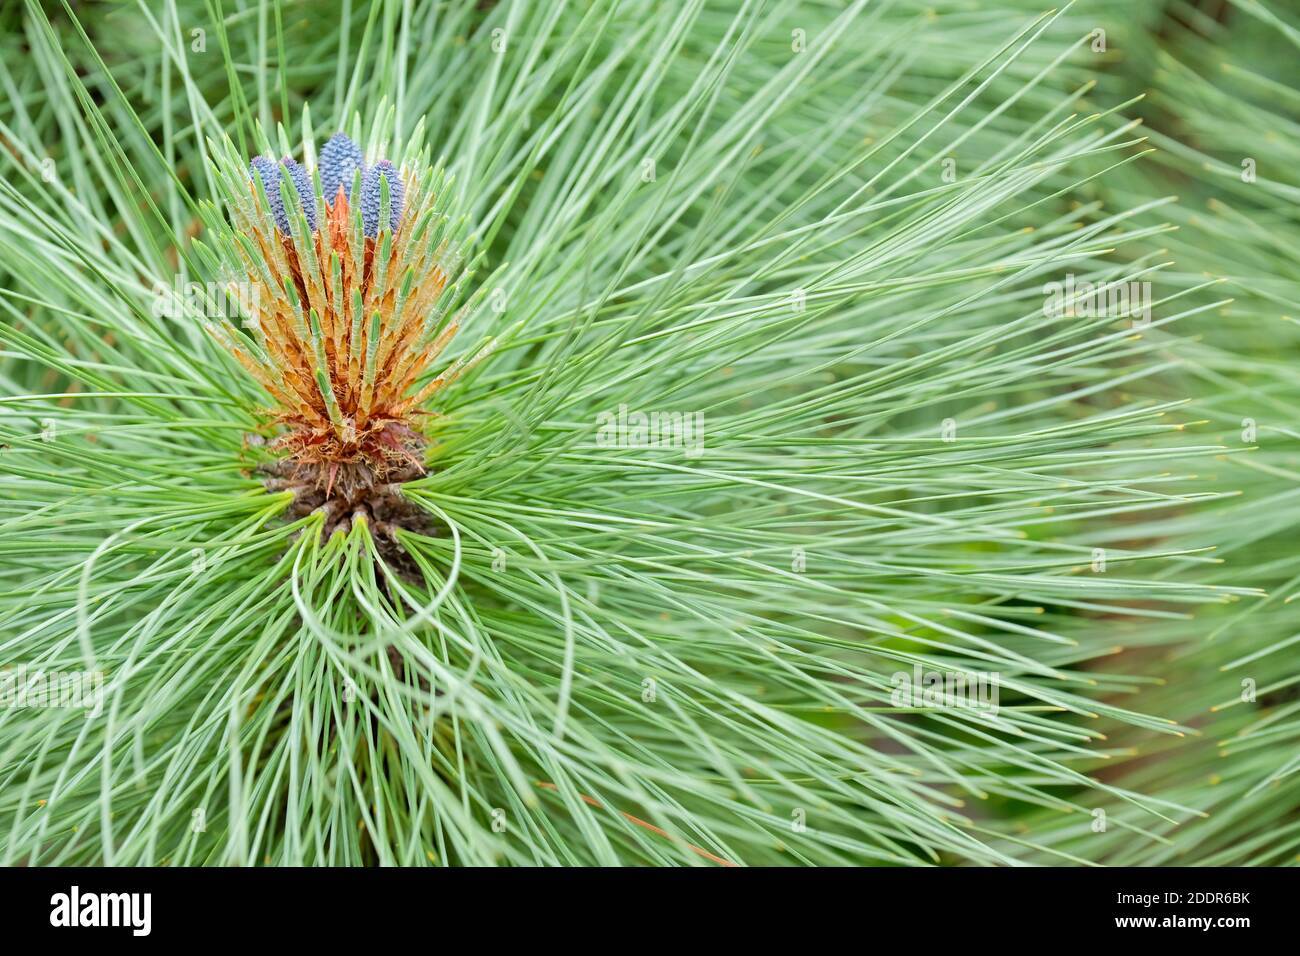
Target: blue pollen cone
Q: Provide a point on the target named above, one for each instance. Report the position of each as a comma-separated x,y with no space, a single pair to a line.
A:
302,185
339,159
370,197
268,170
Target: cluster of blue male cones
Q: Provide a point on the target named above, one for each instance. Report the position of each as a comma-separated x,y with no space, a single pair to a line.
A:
342,168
